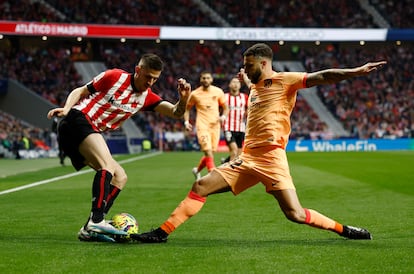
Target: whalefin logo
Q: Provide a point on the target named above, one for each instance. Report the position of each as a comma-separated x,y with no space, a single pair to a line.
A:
300,148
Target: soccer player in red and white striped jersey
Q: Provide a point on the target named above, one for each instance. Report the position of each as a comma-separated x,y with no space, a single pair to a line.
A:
234,126
104,104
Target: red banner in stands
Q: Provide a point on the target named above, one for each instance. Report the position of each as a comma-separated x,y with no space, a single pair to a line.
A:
195,33
82,30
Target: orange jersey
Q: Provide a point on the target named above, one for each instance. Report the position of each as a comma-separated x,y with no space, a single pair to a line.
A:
207,105
271,102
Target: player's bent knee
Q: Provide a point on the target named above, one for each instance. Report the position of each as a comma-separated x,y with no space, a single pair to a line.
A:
198,187
120,180
212,183
295,216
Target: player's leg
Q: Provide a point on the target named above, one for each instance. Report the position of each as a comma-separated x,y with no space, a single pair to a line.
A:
234,142
239,138
209,156
228,137
97,155
202,141
119,181
233,151
214,134
236,176
278,181
291,207
206,160
212,183
293,210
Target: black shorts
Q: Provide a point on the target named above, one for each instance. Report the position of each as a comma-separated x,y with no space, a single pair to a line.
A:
72,130
234,136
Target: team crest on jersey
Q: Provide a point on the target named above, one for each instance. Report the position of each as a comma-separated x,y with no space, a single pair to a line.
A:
267,83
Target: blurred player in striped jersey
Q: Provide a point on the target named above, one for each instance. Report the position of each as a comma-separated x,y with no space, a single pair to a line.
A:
234,126
101,105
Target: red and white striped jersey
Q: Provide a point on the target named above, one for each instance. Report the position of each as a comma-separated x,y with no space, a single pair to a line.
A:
236,120
114,99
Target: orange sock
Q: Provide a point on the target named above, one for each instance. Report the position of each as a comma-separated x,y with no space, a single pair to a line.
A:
167,227
202,163
315,219
190,206
210,163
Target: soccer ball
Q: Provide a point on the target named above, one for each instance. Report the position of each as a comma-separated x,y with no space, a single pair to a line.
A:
125,222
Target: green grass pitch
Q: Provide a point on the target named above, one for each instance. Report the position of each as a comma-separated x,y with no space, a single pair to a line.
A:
242,234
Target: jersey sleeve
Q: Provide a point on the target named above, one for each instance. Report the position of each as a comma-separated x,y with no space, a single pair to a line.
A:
103,81
151,101
294,81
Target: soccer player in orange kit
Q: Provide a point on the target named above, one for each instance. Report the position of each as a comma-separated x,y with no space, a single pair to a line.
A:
207,99
271,101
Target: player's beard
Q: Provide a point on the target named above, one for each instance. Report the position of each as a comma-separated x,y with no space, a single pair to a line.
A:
255,76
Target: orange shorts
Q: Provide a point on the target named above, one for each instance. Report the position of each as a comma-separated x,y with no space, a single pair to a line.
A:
267,165
208,138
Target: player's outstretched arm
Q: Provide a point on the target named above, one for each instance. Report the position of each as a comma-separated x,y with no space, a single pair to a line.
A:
177,110
332,76
72,99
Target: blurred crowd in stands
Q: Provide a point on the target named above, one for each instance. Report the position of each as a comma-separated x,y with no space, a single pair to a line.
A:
48,71
253,13
379,106
18,137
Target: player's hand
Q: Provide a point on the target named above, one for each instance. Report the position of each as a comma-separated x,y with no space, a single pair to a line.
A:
184,88
188,126
58,112
372,66
243,78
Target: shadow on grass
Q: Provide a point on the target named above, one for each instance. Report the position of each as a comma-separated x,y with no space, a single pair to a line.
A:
175,242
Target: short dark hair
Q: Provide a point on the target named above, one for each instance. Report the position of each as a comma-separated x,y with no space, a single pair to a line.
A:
151,61
259,50
205,72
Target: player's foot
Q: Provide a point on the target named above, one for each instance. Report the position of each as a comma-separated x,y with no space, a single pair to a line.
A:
154,236
91,236
196,173
356,233
103,227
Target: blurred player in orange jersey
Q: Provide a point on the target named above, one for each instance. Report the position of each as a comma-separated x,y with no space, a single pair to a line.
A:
207,99
271,101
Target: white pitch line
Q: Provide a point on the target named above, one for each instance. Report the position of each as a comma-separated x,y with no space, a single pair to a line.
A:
73,174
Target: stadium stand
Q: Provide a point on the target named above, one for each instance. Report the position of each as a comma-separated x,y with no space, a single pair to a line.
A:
386,112
18,138
319,13
47,68
398,13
